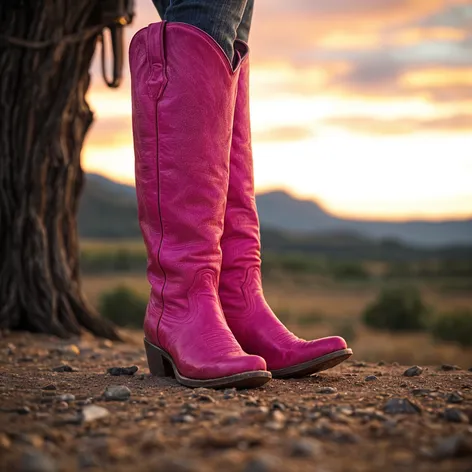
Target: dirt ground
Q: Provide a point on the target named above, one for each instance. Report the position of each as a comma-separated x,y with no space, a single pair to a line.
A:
357,417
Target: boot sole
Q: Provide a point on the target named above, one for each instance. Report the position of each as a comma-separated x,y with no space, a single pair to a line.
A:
161,365
315,365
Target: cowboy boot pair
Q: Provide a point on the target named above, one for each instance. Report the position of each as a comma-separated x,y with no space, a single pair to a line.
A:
207,322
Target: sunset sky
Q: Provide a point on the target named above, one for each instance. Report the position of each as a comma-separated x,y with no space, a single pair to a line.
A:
364,106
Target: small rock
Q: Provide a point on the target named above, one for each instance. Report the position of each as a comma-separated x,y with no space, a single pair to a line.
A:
396,406
453,446
359,364
23,410
338,433
182,419
230,419
66,397
263,463
26,359
61,406
448,367
422,392
454,415
304,448
395,364
117,393
371,378
229,393
5,442
123,370
205,398
381,363
251,401
106,344
327,390
70,349
11,348
64,368
276,405
93,412
470,369
36,461
278,416
413,371
455,397
49,387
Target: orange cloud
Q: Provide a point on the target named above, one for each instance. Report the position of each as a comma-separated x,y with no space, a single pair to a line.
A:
375,126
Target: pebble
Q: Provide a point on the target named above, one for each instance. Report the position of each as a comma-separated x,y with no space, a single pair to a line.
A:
25,359
93,412
66,397
338,433
327,390
454,415
262,463
61,406
123,370
49,387
276,405
422,392
396,406
182,419
304,448
229,393
205,398
454,397
448,367
5,441
11,348
359,364
371,378
413,371
64,368
23,410
453,446
251,401
117,393
36,461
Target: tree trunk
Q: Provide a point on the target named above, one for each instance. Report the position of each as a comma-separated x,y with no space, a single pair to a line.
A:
46,47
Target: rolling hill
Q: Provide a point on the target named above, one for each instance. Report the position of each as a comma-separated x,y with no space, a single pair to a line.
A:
108,210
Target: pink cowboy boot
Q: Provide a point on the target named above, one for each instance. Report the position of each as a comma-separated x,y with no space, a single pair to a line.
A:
183,92
249,316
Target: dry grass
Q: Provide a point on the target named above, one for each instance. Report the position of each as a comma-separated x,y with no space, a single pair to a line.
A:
319,308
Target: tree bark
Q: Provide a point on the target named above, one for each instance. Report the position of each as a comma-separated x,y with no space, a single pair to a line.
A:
46,48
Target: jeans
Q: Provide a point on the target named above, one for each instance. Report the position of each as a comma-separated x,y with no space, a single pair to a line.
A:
223,20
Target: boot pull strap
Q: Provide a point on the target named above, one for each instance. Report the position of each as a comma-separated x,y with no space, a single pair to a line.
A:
156,55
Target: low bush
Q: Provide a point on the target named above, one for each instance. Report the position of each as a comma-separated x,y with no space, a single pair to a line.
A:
123,306
455,326
397,309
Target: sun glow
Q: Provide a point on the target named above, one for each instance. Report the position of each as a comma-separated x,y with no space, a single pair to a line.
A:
393,141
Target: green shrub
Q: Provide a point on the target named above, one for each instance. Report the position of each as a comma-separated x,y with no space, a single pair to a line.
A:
310,318
345,329
397,309
123,306
349,271
454,326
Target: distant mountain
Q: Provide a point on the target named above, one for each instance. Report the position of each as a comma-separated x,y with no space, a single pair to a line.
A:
278,210
108,210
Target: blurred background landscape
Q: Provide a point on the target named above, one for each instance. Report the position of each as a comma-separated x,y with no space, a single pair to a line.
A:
362,138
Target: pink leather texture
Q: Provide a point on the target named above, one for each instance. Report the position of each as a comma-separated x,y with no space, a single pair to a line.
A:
183,96
249,316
